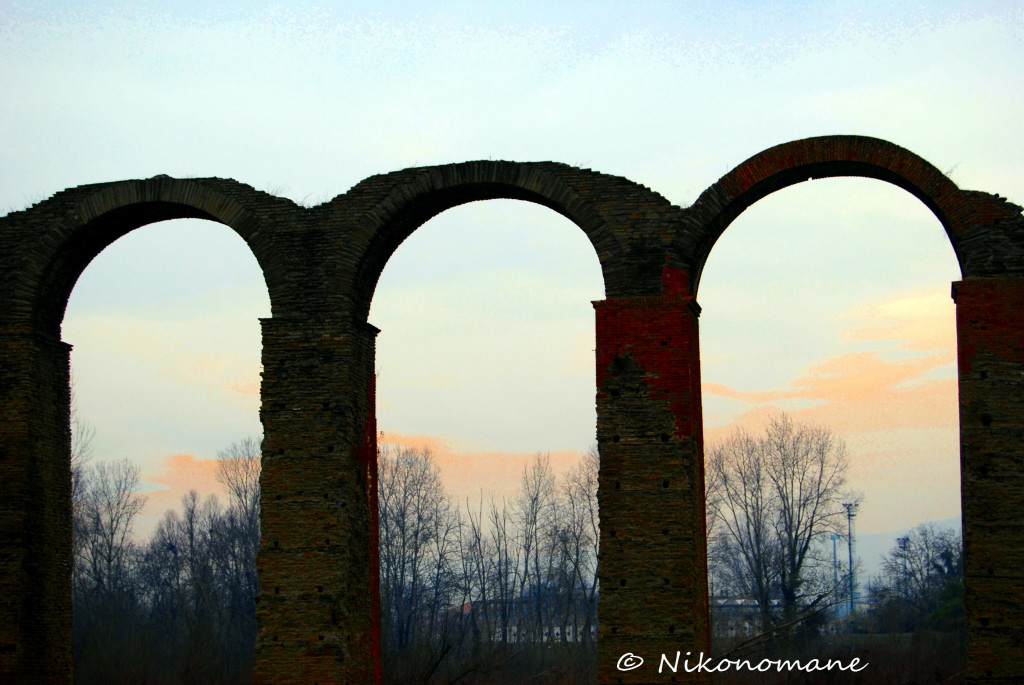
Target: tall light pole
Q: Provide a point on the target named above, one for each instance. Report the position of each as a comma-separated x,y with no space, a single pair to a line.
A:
851,511
903,543
835,569
835,561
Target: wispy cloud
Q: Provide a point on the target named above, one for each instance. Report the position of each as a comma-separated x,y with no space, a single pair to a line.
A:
895,405
908,366
179,474
470,473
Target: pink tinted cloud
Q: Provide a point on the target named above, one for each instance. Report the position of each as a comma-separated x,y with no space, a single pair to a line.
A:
895,407
858,391
918,320
181,473
472,474
891,388
244,385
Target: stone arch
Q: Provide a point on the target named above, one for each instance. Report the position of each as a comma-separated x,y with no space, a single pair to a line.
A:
623,221
321,268
986,233
46,248
392,206
827,156
92,217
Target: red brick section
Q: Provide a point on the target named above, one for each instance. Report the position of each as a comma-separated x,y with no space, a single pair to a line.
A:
653,549
368,458
990,332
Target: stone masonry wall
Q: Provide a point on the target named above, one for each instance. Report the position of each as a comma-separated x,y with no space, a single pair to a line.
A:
318,610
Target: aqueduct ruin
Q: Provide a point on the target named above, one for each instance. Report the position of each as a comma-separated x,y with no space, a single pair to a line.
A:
316,609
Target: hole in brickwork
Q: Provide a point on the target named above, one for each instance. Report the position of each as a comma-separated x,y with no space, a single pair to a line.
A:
319,588
622,582
986,420
615,438
664,483
277,590
664,437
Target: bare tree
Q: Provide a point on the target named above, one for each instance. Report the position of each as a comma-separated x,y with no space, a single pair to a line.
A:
109,508
105,597
82,434
465,597
505,572
780,497
238,470
807,467
746,547
921,582
581,539
536,514
420,592
713,501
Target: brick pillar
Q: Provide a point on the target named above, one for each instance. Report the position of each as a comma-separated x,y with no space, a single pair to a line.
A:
368,464
653,566
314,610
990,356
35,510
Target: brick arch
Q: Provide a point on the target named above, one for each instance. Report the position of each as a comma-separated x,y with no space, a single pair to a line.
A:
321,266
45,250
824,157
94,216
392,206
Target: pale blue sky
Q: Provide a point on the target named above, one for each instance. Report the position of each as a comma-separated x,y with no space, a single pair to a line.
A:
305,101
